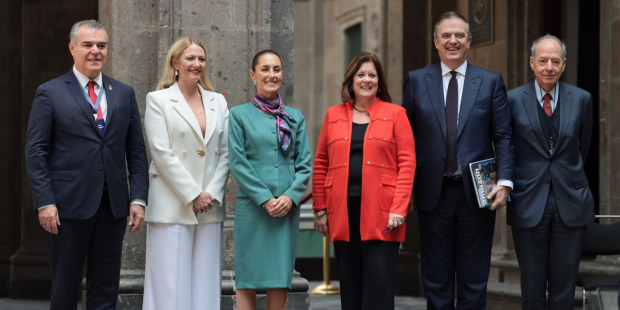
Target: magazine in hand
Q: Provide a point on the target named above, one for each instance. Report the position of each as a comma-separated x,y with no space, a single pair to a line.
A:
484,176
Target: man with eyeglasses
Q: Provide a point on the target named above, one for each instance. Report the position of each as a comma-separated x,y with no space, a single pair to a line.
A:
551,203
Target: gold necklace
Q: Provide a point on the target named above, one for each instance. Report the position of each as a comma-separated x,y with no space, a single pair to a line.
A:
201,110
359,109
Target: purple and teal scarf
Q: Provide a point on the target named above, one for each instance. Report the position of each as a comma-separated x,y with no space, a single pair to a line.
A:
276,108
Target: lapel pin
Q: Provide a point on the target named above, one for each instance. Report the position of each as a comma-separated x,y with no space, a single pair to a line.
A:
212,109
200,153
110,86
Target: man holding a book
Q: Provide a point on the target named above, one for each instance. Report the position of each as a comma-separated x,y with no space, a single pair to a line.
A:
459,115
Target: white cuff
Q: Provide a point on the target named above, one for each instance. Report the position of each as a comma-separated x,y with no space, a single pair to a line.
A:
506,183
43,207
138,202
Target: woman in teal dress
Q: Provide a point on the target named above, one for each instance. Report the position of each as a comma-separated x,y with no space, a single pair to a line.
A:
270,158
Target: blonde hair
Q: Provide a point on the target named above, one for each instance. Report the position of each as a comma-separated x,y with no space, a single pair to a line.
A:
175,52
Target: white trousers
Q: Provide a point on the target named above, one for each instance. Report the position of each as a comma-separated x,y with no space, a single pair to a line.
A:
183,267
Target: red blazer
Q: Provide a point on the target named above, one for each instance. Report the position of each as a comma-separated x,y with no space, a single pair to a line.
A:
387,173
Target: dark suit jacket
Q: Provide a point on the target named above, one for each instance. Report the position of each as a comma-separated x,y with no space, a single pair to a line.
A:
484,121
536,168
68,160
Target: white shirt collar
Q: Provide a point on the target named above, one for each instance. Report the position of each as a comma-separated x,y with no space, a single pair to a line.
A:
461,69
541,92
83,80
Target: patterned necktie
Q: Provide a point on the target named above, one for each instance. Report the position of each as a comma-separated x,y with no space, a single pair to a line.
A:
547,104
93,98
452,111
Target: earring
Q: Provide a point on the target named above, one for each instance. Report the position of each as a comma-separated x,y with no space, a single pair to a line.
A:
176,72
254,81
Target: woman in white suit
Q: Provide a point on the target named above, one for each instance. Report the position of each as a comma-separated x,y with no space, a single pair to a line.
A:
186,127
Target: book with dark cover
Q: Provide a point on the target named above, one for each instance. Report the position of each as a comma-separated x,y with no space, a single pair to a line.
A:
484,176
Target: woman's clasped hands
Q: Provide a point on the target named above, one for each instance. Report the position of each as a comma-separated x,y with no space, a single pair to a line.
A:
278,207
203,203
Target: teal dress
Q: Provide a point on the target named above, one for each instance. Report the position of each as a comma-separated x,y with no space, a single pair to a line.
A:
266,246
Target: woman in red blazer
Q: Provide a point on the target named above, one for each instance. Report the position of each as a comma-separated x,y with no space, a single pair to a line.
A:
362,181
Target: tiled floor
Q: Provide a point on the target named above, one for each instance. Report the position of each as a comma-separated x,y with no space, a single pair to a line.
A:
18,304
317,302
332,302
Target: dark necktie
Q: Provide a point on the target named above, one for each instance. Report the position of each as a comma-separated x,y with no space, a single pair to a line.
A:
547,104
452,111
93,97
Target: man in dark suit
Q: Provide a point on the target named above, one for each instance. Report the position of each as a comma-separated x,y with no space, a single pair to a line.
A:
458,113
551,202
84,134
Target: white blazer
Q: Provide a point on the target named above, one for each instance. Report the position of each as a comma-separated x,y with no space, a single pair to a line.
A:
183,162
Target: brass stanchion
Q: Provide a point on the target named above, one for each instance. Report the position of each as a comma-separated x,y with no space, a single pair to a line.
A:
325,288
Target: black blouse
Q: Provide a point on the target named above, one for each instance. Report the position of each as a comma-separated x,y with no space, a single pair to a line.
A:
356,159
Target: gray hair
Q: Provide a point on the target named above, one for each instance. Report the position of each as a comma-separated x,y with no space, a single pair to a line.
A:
451,15
90,23
549,36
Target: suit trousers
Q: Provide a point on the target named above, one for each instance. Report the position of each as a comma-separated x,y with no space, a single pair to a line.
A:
99,240
456,239
549,255
183,266
366,269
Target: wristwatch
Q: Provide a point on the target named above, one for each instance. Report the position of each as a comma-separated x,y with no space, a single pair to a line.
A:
319,213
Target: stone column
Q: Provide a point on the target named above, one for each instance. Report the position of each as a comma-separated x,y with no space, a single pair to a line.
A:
309,54
45,55
609,114
10,139
608,111
142,31
393,58
133,59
